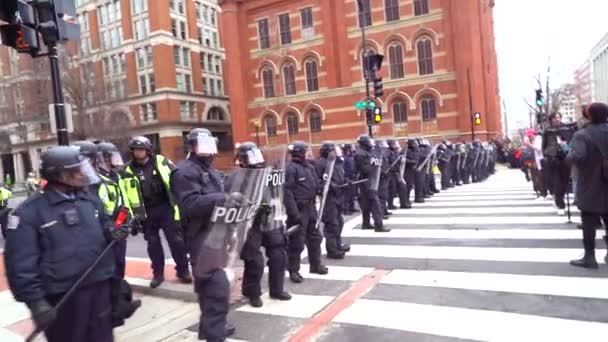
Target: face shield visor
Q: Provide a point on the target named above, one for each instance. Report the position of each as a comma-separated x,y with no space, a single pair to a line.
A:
79,175
205,145
116,159
255,157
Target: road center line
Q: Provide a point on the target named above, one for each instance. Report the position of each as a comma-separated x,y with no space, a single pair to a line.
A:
322,319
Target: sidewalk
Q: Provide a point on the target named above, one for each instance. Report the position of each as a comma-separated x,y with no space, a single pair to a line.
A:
166,313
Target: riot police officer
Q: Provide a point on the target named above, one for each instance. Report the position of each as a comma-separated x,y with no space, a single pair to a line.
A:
381,151
397,186
368,168
300,191
65,228
444,158
350,172
330,160
146,180
198,187
263,233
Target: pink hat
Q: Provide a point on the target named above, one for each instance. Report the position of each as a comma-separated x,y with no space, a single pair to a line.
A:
530,132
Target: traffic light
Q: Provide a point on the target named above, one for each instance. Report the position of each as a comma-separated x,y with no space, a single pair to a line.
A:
54,25
8,8
378,91
540,101
369,116
20,33
377,115
477,118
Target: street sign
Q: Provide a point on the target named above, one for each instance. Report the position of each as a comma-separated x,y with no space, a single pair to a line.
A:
361,105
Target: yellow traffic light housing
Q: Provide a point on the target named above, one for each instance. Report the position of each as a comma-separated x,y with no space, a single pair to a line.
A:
377,115
477,119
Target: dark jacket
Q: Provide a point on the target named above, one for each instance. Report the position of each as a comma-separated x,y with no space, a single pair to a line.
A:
56,239
592,191
301,185
197,187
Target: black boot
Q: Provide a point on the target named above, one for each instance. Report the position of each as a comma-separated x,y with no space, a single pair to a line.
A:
367,226
406,205
319,269
184,277
281,295
296,277
337,255
382,229
419,200
588,260
256,302
345,247
156,281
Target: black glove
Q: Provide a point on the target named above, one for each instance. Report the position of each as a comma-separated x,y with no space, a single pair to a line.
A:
136,227
43,313
119,233
236,200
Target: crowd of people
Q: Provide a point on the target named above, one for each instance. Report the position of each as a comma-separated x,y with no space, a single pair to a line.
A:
93,200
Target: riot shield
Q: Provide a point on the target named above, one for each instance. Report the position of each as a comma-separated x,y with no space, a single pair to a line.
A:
327,175
376,172
276,159
402,164
230,221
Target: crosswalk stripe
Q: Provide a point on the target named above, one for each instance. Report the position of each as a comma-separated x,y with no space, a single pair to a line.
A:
300,306
479,220
514,234
469,253
531,284
483,197
496,202
481,325
481,210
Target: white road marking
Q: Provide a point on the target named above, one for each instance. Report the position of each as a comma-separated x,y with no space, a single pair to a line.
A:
497,202
300,306
481,325
479,220
480,210
511,234
515,283
557,255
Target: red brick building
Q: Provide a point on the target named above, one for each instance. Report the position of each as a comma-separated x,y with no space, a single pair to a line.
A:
294,70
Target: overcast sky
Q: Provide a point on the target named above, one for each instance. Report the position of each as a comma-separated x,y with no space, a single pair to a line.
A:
529,32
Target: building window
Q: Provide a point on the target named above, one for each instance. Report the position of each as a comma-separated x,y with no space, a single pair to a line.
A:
181,56
425,56
146,83
144,57
289,79
307,21
392,10
178,28
312,77
264,34
421,7
142,28
184,81
268,81
187,110
285,29
315,121
365,13
148,112
139,6
177,6
395,58
271,126
292,123
429,111
215,114
399,112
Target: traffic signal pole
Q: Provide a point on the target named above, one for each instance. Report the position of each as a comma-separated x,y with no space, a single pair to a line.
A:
471,105
366,68
59,104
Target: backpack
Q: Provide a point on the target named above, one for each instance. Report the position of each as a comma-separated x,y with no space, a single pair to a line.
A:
604,162
528,155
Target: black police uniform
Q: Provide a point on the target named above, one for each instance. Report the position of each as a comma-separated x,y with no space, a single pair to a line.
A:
369,202
350,173
422,186
443,163
300,190
332,216
383,187
160,215
411,164
58,237
397,187
198,187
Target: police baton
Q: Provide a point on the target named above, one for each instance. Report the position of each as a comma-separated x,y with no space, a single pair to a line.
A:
120,220
292,229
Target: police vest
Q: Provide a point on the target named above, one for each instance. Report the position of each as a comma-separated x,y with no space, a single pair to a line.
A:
5,194
132,187
112,196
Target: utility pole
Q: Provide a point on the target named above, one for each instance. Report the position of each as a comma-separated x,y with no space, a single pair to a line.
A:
58,100
471,105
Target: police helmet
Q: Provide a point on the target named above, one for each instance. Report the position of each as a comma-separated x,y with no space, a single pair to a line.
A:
248,154
412,143
66,165
109,150
86,149
201,141
347,147
327,147
298,149
140,142
381,143
393,144
365,141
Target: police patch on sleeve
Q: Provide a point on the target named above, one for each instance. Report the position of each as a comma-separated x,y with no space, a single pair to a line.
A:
13,222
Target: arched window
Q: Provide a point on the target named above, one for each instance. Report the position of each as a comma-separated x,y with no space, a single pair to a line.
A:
312,77
215,114
268,81
292,123
429,111
395,58
399,112
421,7
425,56
315,121
271,125
289,79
